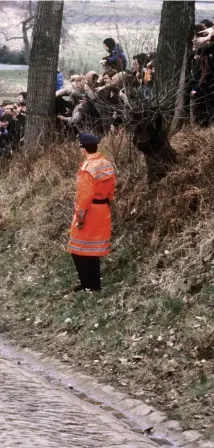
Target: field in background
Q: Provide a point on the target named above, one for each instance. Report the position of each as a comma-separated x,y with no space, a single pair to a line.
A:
11,83
134,23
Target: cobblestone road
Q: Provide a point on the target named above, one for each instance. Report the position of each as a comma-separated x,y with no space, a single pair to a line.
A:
35,413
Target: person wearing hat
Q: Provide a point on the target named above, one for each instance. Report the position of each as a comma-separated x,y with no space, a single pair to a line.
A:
90,230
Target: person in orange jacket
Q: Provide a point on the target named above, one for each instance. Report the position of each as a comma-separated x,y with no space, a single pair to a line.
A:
90,230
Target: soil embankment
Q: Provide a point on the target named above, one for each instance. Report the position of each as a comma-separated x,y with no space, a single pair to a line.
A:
151,330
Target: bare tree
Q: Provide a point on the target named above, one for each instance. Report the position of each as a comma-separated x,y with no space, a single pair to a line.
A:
42,72
173,53
27,25
29,10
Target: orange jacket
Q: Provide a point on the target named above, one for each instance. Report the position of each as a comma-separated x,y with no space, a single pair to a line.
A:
90,231
147,75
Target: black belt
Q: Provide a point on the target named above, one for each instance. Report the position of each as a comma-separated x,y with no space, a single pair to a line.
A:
100,201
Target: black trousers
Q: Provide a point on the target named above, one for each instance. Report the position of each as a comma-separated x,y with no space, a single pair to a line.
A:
88,269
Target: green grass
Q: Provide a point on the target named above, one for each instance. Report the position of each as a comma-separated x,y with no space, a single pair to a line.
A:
11,83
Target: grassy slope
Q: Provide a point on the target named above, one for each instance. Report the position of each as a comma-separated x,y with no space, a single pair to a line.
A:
151,329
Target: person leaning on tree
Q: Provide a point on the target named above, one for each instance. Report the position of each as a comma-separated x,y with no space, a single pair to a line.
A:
90,230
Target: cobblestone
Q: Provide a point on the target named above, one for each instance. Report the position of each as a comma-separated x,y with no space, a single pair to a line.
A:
35,413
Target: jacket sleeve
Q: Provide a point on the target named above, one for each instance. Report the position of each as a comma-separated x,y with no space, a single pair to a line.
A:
89,92
114,56
59,81
84,196
63,92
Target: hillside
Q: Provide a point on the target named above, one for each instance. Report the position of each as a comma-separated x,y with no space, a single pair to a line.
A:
87,23
150,331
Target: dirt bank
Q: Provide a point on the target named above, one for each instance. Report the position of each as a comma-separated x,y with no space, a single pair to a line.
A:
150,331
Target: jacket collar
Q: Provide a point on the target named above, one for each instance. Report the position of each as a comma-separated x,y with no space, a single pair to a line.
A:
96,155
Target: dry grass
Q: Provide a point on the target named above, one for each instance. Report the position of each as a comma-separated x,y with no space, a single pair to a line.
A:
38,194
156,309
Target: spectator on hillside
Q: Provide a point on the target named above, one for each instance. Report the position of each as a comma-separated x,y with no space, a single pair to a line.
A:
23,108
142,70
4,138
78,85
9,124
117,59
137,64
20,123
202,81
22,97
106,79
207,23
148,76
204,33
92,79
59,80
7,107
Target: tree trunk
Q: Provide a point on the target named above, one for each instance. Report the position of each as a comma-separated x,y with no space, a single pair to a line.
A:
42,73
174,50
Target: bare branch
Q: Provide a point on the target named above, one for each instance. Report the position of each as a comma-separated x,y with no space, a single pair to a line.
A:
10,38
29,19
15,37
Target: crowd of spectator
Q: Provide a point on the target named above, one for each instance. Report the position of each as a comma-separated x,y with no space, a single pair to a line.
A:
98,102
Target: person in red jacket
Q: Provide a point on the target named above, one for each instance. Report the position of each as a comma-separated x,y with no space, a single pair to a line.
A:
90,231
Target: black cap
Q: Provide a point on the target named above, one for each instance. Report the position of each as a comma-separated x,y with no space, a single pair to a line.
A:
88,139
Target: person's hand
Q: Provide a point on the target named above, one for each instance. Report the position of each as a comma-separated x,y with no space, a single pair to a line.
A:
99,88
207,31
202,39
103,62
205,36
61,117
79,224
121,131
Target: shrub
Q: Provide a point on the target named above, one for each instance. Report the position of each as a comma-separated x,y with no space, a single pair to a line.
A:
8,56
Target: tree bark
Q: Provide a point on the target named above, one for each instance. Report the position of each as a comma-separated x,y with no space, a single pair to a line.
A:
42,73
182,100
173,52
